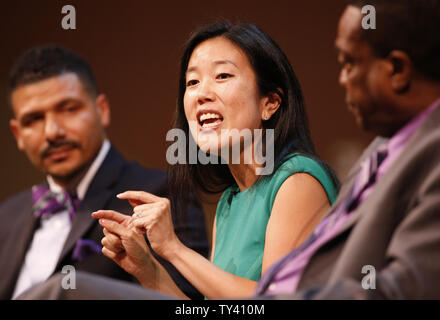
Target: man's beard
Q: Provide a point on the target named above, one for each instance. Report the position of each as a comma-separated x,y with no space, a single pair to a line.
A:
72,176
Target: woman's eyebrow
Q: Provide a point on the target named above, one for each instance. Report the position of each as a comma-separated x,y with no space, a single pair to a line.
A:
190,69
225,62
194,68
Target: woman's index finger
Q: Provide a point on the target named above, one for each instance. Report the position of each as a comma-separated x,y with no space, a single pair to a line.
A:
138,196
110,214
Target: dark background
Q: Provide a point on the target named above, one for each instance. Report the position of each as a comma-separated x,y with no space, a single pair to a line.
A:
134,48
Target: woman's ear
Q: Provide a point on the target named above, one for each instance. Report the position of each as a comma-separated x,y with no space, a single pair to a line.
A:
271,102
401,70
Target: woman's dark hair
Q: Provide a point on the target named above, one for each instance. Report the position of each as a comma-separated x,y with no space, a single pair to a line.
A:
274,75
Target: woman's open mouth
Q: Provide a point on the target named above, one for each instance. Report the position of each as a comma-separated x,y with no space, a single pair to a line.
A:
209,119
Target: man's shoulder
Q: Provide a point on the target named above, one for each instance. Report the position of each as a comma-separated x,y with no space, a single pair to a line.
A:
129,172
16,202
134,176
135,171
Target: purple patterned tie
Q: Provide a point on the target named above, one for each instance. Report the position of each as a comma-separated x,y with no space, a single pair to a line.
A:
45,202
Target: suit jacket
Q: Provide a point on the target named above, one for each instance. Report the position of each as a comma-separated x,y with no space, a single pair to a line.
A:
396,230
114,176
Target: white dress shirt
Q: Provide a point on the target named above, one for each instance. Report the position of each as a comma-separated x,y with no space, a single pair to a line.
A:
48,241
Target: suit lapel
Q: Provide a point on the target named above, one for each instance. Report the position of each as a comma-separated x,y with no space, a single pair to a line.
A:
14,249
352,174
380,188
98,194
350,182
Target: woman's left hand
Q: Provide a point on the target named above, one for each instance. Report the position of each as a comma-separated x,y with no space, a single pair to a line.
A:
152,215
127,247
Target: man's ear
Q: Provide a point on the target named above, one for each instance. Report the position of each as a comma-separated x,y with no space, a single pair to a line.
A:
13,124
271,103
103,107
401,70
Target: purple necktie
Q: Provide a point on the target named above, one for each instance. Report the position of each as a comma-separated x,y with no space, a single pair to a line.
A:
365,179
45,202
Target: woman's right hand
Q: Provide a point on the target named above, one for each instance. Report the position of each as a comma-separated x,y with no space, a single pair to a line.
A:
126,246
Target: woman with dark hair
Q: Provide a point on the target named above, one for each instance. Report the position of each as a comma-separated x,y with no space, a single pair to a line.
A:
232,77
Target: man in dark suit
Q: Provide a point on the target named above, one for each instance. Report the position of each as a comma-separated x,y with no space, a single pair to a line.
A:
60,120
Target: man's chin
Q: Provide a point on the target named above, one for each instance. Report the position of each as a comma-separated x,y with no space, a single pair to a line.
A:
62,175
360,119
64,172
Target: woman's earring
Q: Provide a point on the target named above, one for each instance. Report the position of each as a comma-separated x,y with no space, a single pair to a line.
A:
266,118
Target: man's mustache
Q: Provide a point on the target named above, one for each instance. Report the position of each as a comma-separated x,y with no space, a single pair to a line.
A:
55,145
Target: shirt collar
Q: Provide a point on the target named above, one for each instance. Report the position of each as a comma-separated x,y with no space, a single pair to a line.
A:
83,185
403,135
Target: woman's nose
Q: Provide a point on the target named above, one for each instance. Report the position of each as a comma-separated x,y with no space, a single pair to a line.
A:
205,92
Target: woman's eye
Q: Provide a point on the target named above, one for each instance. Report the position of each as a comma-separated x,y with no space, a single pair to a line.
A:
222,76
191,83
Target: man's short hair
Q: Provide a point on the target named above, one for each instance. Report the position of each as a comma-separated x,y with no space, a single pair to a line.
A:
46,61
412,26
